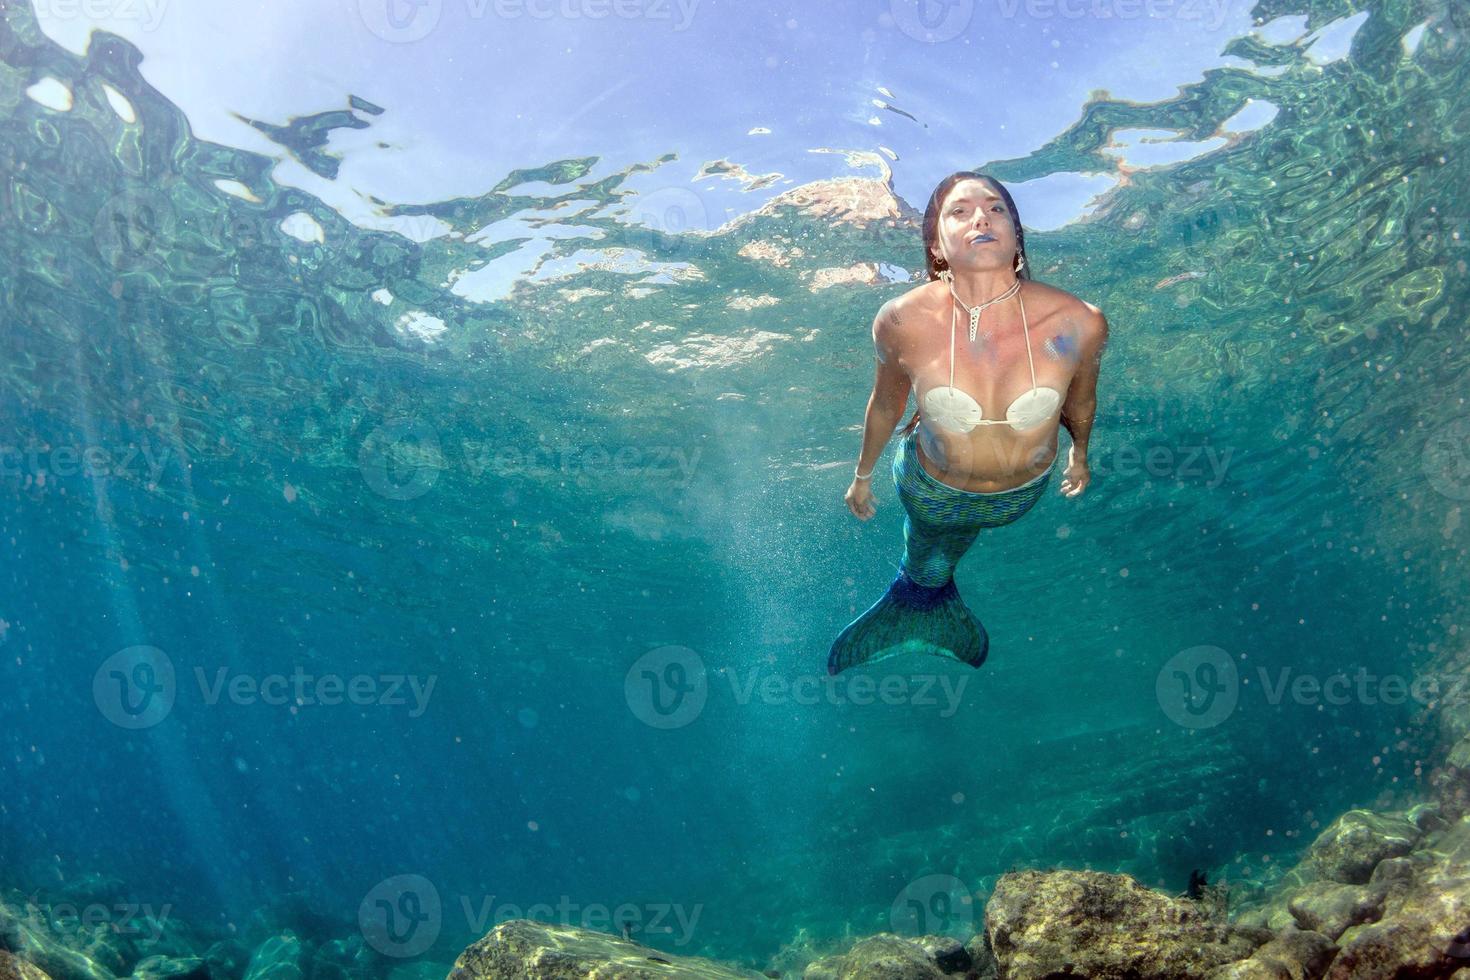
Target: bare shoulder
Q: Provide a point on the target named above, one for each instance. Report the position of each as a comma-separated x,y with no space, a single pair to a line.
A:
903,310
1069,309
919,299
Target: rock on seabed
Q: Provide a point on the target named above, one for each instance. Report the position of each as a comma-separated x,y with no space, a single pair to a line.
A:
522,949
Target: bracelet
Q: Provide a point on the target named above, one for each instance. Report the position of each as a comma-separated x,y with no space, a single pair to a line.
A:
858,476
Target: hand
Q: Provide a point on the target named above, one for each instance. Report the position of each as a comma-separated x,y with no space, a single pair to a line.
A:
1076,476
860,499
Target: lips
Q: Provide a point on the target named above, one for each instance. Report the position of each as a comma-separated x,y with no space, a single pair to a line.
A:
981,239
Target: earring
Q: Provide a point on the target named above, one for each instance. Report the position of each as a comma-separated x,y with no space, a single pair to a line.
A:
1020,261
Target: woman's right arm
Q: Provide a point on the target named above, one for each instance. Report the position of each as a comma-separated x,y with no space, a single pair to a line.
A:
890,395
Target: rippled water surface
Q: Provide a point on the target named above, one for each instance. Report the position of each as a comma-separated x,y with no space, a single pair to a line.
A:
269,445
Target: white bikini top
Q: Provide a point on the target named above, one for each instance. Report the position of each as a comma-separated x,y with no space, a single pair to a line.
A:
954,410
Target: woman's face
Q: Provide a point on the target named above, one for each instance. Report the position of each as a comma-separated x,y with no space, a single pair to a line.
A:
976,228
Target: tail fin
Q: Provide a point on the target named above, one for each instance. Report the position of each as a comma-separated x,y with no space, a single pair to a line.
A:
912,618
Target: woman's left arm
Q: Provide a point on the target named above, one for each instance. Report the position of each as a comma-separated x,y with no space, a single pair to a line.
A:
1081,403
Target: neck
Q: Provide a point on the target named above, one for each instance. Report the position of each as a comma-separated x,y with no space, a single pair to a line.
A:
978,285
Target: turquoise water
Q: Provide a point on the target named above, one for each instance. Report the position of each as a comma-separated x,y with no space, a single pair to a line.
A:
578,551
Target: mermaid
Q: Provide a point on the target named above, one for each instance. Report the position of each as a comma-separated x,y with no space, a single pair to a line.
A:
968,338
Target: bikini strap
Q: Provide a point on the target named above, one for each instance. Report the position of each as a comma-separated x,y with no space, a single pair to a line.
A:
953,315
1026,329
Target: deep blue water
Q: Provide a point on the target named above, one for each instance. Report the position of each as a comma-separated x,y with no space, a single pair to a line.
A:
224,458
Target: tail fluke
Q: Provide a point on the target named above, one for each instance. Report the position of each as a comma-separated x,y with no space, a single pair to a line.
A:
912,618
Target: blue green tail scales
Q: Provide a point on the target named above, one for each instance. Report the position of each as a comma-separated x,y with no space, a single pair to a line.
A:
912,618
922,610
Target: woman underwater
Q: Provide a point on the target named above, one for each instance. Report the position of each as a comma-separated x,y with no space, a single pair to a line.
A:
989,352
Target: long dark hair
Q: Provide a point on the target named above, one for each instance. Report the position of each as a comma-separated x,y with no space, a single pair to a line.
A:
935,264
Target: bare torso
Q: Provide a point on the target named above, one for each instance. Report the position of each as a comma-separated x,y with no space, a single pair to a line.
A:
994,371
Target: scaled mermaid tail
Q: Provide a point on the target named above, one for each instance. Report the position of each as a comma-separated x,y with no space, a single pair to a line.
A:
922,611
911,618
